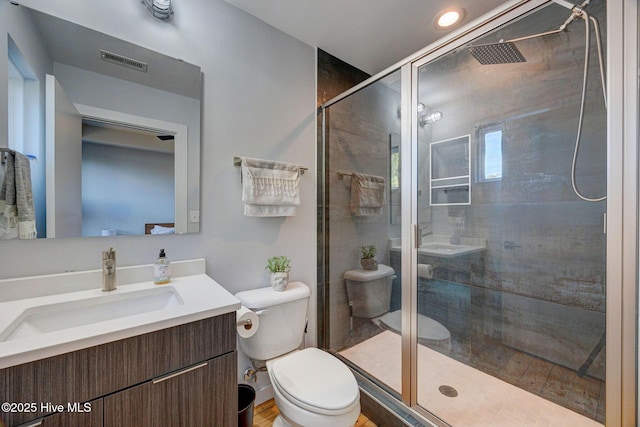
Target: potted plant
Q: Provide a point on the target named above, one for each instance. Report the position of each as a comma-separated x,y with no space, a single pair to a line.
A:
368,257
279,268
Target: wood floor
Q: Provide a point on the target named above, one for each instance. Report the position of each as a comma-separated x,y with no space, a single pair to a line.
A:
265,413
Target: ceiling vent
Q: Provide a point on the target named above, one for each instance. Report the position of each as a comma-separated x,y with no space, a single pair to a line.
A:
123,61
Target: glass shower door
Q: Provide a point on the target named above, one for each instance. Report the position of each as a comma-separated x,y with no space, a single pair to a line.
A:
509,289
362,145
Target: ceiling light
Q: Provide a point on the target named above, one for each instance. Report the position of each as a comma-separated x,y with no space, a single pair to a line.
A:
161,9
449,17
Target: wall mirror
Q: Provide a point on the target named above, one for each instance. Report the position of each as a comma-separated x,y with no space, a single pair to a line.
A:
113,128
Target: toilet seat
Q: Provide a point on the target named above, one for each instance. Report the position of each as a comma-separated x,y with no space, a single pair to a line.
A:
430,332
314,380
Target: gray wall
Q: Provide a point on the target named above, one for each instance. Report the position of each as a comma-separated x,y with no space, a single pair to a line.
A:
258,100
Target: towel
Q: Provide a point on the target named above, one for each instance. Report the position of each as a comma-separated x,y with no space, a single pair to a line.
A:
270,188
367,194
16,198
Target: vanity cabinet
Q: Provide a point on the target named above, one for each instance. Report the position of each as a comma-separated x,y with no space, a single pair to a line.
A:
118,379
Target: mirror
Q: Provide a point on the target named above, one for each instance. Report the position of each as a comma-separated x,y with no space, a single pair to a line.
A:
118,139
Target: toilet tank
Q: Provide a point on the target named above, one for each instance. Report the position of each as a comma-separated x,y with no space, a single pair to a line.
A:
369,291
282,316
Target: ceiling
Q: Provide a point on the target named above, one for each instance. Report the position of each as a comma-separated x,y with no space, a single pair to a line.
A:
368,34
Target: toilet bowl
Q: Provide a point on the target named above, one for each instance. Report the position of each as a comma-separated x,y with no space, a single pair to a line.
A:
369,294
314,389
430,332
311,387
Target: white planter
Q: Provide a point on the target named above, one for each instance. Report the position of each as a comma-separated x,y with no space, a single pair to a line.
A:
369,263
279,281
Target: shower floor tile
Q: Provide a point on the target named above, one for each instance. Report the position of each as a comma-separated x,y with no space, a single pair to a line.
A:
483,400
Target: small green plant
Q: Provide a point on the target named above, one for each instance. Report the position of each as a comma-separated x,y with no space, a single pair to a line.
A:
278,264
368,251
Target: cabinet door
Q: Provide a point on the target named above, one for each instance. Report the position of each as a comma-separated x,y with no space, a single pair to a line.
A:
204,395
85,415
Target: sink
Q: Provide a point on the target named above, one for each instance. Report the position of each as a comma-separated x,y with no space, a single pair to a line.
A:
45,318
441,247
447,250
49,315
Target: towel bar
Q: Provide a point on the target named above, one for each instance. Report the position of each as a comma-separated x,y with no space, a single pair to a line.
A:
342,174
237,161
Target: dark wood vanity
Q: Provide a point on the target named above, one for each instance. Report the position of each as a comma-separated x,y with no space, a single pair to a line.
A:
181,376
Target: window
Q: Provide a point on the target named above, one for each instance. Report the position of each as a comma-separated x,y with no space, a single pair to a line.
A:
490,153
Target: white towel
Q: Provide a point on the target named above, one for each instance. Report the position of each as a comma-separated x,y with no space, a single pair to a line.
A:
367,194
270,188
16,198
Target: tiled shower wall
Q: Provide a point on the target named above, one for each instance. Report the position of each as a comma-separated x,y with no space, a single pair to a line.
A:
545,247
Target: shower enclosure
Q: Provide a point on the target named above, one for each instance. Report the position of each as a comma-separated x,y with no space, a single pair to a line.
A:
492,219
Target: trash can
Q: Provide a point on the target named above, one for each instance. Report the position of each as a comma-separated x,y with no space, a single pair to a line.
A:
246,398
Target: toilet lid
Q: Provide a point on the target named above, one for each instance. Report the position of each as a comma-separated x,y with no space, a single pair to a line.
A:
315,380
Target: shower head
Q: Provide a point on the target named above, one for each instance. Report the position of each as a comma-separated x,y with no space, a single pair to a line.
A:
506,52
497,53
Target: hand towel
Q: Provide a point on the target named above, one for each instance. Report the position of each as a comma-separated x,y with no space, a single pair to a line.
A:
16,198
367,194
270,188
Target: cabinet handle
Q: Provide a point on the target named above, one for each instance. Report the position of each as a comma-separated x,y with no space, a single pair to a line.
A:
175,374
35,423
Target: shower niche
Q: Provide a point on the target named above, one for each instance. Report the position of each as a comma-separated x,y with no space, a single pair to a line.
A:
450,182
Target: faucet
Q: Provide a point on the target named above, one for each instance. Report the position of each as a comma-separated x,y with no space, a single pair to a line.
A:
108,270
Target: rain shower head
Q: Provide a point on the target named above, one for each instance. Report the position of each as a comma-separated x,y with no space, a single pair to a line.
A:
506,52
497,53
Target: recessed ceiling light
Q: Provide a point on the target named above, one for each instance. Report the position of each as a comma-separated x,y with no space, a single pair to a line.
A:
448,18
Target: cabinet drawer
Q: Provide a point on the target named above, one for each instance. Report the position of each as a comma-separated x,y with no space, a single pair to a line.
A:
204,394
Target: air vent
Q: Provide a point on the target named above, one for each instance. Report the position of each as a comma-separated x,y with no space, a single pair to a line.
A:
123,61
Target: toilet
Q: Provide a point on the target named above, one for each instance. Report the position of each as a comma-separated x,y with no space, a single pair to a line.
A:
311,387
369,294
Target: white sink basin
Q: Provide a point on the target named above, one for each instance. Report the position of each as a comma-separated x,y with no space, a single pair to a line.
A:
43,316
446,250
42,319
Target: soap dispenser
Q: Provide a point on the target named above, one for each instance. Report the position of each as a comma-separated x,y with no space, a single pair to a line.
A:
162,269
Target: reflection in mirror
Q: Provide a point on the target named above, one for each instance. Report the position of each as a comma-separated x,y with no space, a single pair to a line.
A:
114,128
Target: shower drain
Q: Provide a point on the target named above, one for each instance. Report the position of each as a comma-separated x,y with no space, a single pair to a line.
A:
448,391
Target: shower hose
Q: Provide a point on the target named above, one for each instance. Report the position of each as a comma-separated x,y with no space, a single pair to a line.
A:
587,18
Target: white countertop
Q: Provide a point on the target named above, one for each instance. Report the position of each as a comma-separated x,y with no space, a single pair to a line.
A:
198,295
441,246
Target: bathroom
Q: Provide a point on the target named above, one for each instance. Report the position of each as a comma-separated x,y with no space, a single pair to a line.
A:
241,115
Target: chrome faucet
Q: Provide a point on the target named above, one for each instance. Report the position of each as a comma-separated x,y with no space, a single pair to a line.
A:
108,270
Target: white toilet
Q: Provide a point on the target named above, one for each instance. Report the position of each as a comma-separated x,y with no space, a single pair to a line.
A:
369,293
312,388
